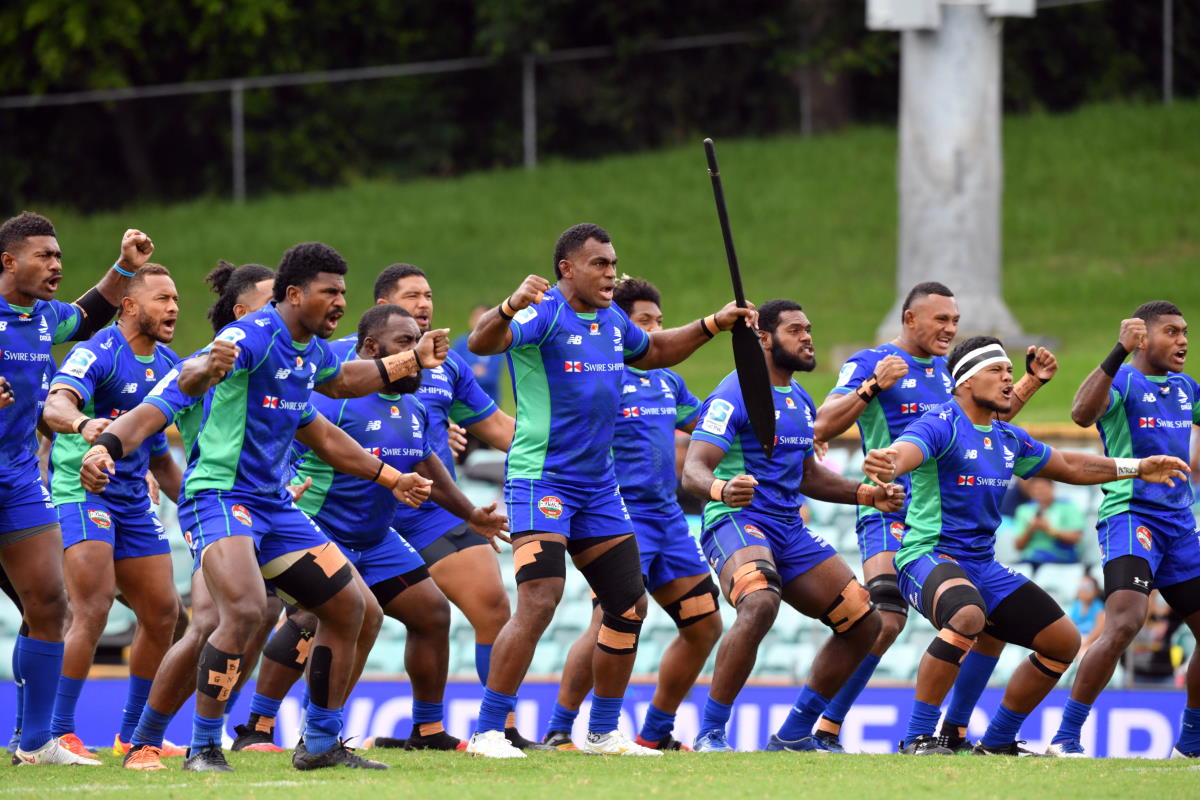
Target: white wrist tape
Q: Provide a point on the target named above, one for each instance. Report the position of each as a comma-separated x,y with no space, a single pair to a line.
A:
1128,467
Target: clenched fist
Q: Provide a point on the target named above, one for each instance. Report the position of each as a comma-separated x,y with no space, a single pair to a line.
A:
136,249
1133,334
433,347
530,292
889,370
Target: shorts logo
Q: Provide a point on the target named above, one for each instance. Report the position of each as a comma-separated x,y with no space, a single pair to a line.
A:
1146,422
100,518
897,531
269,401
908,408
550,506
945,557
966,480
754,531
242,515
572,366
149,374
1143,536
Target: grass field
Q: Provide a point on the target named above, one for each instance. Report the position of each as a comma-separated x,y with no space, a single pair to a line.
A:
1100,215
579,777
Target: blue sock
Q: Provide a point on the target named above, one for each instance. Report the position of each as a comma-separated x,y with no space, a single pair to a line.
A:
321,728
1004,728
483,661
658,724
41,665
135,701
20,684
264,706
803,716
205,731
151,728
839,706
65,700
563,719
423,712
972,679
715,717
1074,715
606,711
1189,732
233,698
494,709
923,720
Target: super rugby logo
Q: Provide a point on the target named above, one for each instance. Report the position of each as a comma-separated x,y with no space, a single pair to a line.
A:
897,530
716,420
242,515
754,531
100,518
550,506
1143,536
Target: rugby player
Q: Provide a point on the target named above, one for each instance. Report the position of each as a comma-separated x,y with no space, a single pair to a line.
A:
567,347
654,404
115,541
757,543
1148,535
256,378
882,390
32,322
962,459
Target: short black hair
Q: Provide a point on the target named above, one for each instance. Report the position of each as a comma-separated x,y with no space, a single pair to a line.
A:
229,281
573,238
923,289
770,312
302,263
1155,309
385,284
143,272
19,228
630,290
375,318
966,346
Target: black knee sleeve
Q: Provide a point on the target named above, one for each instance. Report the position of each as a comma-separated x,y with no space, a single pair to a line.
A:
289,645
319,667
1127,572
1023,615
217,672
616,577
1184,597
954,600
388,590
697,603
851,607
541,558
886,595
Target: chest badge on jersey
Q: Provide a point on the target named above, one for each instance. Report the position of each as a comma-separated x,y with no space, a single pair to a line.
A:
149,374
1146,422
394,412
908,408
1143,536
299,362
789,402
929,372
242,515
550,506
594,329
987,443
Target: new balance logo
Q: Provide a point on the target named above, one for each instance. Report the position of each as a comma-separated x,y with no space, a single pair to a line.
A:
129,388
1146,422
270,402
908,408
1148,397
575,338
908,383
573,366
374,424
280,374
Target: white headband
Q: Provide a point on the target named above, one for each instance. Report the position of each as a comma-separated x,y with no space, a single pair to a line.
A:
978,359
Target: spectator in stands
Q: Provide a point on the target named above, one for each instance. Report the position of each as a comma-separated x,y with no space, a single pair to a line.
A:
1151,654
486,368
1048,528
1087,612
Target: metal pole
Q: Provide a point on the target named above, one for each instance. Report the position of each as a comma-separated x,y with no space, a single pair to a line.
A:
529,109
238,113
1168,35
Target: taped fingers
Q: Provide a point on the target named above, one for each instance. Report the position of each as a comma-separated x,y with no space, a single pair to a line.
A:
541,558
850,607
695,604
309,578
754,576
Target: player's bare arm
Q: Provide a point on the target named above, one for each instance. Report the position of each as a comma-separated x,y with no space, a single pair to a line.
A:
363,376
202,372
337,449
823,484
492,334
883,465
123,435
1091,399
840,411
170,478
62,414
1040,366
698,478
670,347
483,520
496,430
1087,468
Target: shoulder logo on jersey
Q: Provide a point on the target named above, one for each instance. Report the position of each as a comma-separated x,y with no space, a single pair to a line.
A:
234,335
394,412
374,424
908,408
633,411
845,374
100,518
946,382
1143,536
1009,457
572,366
242,515
270,401
575,338
550,506
79,362
524,315
617,339
1146,422
43,330
717,418
162,384
1185,402
754,531
897,531
908,383
417,431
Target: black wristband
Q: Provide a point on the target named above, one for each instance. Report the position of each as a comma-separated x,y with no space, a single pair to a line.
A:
112,444
383,373
1113,361
378,472
83,421
868,389
704,328
503,316
417,358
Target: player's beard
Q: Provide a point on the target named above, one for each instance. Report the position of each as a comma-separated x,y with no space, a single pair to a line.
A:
151,328
407,385
992,405
791,362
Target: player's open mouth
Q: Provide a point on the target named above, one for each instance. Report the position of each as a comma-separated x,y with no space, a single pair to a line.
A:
1180,355
52,283
1006,392
167,324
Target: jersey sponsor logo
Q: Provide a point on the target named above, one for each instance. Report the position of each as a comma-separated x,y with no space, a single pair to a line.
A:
14,356
524,315
717,418
394,412
149,374
594,329
754,531
116,412
100,518
129,388
550,506
846,373
374,424
79,362
233,335
1146,422
1144,537
966,480
282,373
270,401
789,402
908,383
575,338
633,411
242,515
987,443
897,531
572,366
375,451
908,408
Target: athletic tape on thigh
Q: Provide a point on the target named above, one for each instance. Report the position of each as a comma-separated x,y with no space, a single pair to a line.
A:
541,558
1127,572
388,590
1049,666
616,578
694,605
1184,597
289,645
309,578
217,672
754,576
886,595
1021,616
852,605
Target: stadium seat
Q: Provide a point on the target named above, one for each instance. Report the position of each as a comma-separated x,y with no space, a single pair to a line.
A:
1061,581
